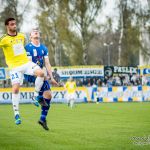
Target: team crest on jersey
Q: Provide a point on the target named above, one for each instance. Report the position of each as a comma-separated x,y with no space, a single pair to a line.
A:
34,52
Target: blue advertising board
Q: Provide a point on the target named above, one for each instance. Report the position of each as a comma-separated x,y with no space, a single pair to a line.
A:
2,74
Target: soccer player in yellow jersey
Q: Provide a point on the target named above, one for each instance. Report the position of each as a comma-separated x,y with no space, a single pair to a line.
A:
18,63
70,87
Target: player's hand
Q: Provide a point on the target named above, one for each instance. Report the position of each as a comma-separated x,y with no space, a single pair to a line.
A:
61,84
54,82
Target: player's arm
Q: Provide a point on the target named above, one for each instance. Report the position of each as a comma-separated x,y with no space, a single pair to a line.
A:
66,86
3,45
48,66
75,85
49,70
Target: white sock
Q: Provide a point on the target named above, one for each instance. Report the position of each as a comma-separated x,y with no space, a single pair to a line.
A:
15,102
38,84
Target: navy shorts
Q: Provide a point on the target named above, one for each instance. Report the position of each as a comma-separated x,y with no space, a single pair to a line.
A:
31,79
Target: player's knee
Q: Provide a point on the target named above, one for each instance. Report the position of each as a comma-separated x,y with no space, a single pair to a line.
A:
15,90
40,73
47,95
50,96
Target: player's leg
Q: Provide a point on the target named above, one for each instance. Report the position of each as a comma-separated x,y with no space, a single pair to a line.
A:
34,69
39,80
72,100
71,103
68,99
15,102
44,109
16,79
31,79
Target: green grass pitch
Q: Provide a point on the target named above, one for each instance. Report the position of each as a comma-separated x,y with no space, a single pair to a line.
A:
104,126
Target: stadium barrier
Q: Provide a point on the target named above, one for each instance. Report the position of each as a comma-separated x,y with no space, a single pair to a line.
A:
86,94
122,94
58,94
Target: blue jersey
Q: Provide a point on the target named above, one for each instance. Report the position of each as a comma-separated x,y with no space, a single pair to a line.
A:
37,53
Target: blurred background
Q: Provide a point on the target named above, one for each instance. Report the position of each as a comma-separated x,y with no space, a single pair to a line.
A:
85,32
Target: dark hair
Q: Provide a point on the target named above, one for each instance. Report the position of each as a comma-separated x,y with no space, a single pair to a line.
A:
7,20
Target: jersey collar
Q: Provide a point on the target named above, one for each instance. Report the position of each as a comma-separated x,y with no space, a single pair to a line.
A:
35,45
12,35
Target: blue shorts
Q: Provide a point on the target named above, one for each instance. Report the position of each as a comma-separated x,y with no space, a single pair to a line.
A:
31,79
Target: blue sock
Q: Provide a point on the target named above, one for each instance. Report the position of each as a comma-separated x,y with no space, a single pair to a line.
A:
45,109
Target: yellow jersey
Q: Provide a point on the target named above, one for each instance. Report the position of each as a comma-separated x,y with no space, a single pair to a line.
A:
70,86
13,48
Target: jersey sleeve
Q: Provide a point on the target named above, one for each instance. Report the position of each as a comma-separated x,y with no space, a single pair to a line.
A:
2,43
28,51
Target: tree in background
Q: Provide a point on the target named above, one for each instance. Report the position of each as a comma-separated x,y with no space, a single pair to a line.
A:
130,25
73,37
53,23
13,8
61,17
144,27
83,13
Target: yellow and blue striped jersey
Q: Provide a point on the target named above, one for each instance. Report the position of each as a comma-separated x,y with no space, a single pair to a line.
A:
13,48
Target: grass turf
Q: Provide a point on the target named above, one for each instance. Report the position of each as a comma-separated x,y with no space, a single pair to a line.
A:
105,126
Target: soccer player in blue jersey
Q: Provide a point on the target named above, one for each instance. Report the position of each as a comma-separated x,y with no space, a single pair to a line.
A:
38,53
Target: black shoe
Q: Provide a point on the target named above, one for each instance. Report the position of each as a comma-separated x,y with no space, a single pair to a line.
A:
43,124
